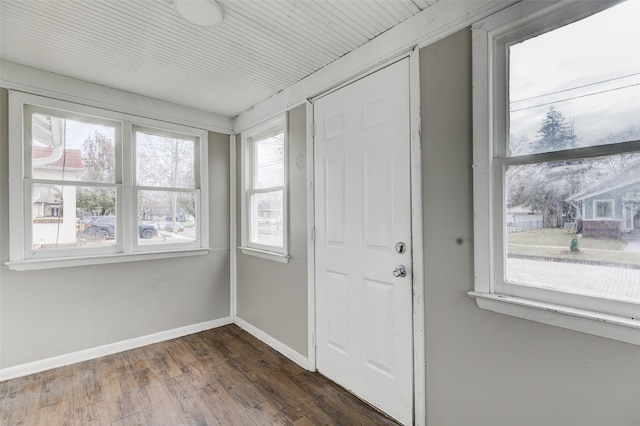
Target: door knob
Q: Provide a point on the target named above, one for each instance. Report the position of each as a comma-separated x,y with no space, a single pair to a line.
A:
400,271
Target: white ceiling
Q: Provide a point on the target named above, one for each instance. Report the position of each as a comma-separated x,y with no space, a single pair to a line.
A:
144,47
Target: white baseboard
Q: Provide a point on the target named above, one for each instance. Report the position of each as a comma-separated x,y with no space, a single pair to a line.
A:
285,350
125,345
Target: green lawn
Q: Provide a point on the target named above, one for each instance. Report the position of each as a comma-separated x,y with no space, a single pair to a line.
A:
562,238
555,243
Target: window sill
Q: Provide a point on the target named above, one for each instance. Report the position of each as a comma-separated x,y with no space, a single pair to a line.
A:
590,322
269,255
51,263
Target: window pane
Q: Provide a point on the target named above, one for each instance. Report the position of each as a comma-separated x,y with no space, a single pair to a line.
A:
604,209
71,217
266,216
65,149
166,217
578,85
164,161
574,226
269,162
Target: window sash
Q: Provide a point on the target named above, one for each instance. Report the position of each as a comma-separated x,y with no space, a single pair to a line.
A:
170,135
252,232
28,251
248,184
108,120
491,157
140,245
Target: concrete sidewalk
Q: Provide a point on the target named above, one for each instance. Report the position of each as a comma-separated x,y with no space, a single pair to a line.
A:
602,281
632,247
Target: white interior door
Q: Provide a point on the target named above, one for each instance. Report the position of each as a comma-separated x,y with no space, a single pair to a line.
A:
363,235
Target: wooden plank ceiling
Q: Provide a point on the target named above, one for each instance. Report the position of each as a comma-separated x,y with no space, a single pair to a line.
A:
145,47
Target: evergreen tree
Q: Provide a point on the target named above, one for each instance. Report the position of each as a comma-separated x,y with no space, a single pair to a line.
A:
555,133
545,186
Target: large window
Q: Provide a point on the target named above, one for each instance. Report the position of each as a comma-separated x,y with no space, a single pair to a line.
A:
264,177
90,183
557,139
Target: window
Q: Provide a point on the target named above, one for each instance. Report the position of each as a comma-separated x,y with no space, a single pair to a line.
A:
557,134
96,185
166,188
603,209
264,204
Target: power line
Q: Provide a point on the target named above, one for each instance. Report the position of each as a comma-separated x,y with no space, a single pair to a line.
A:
576,87
576,97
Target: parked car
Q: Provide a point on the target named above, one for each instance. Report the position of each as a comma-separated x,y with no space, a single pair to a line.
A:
105,227
169,226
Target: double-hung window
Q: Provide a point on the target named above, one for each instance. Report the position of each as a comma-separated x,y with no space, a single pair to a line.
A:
93,186
557,137
264,203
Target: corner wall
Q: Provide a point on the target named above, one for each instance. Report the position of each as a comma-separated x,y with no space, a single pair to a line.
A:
50,313
483,368
272,296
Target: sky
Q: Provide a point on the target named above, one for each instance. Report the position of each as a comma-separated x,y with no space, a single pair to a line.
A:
589,70
78,132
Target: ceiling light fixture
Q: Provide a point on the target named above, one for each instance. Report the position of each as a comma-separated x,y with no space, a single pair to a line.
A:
204,13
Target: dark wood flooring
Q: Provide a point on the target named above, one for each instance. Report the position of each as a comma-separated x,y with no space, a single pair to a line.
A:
223,376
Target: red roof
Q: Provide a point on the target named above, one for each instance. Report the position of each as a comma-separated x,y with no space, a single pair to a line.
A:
72,158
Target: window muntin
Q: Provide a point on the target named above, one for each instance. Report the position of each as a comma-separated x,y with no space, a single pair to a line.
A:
264,224
597,161
72,173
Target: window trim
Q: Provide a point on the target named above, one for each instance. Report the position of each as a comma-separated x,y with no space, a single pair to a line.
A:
270,127
20,258
489,40
196,189
612,205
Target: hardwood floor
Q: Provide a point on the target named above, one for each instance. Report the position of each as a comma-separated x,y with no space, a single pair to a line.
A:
218,377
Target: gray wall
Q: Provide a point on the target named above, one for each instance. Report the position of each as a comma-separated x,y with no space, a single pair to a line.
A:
58,311
272,296
483,369
486,369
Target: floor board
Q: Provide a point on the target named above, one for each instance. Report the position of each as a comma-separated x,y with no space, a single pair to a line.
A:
223,376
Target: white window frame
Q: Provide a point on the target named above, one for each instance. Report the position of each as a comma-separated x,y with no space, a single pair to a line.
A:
595,209
126,249
268,128
606,318
174,132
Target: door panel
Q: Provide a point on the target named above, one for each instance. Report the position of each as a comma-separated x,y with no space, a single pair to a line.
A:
336,197
337,294
362,209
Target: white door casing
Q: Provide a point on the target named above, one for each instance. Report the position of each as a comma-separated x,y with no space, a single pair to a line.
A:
362,211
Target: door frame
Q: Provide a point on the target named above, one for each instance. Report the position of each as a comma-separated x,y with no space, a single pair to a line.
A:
418,324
